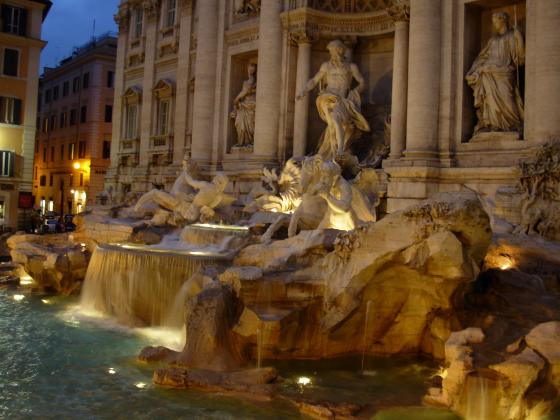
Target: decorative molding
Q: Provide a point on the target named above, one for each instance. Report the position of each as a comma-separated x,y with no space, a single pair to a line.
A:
303,36
122,18
242,36
247,8
399,10
151,9
329,25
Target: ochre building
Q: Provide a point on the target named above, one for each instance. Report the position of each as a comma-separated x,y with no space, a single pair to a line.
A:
456,92
74,138
20,47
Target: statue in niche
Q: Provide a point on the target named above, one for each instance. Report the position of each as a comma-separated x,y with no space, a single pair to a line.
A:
338,104
248,7
189,200
244,109
495,80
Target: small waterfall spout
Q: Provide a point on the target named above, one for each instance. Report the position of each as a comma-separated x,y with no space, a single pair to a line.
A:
365,336
137,285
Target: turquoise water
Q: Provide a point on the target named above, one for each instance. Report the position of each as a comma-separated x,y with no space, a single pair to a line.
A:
53,365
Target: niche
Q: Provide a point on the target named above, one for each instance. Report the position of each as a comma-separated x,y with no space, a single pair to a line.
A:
478,31
238,75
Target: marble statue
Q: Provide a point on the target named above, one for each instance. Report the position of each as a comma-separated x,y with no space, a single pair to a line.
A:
328,201
279,193
494,79
189,200
338,104
244,109
248,7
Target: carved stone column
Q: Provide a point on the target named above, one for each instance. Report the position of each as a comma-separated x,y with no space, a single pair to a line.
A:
205,80
268,79
151,15
543,71
301,111
424,82
400,12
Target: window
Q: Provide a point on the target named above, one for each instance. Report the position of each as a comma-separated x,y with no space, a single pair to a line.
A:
44,154
108,113
10,110
131,121
81,180
14,20
63,122
7,163
75,84
51,204
61,152
71,180
39,103
11,61
71,150
83,114
52,122
73,115
110,79
46,125
43,181
52,153
48,96
56,93
65,88
138,22
85,81
81,150
106,149
170,15
163,118
51,180
2,209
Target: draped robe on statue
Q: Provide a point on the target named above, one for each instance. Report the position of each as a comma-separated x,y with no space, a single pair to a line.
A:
493,77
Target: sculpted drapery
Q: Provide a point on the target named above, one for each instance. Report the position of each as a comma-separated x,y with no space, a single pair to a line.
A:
493,78
245,106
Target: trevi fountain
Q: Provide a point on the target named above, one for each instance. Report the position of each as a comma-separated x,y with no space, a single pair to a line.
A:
397,258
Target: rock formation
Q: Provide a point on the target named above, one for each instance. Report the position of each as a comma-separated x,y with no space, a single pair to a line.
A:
53,261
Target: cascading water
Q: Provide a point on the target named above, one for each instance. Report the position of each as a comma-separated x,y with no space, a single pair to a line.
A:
139,286
365,336
480,398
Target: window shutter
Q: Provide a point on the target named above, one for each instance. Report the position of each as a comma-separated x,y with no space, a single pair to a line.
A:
23,22
12,164
17,111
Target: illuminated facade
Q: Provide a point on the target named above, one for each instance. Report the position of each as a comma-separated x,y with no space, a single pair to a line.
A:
74,128
20,47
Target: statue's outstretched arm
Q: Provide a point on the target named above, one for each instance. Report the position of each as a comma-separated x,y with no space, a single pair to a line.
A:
341,205
193,182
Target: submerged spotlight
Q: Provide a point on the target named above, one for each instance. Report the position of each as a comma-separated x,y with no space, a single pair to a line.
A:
140,385
19,298
111,371
304,381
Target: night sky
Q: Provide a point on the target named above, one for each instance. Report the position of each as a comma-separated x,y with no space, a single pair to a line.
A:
70,24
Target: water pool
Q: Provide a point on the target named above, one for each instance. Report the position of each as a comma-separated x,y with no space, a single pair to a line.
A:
55,366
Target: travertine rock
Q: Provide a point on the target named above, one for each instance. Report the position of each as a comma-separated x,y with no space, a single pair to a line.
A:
54,262
545,339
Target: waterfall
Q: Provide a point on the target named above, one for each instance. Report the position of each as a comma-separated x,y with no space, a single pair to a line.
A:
480,398
139,286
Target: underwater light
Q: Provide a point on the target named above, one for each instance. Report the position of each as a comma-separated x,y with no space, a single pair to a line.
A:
46,301
19,298
111,371
304,380
140,385
26,280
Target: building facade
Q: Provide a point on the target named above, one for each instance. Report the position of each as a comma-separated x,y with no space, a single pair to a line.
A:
20,48
181,65
74,127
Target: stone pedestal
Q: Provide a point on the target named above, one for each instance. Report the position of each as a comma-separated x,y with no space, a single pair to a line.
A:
268,79
205,80
424,81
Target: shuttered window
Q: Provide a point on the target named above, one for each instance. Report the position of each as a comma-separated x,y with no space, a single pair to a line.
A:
10,110
7,160
14,20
